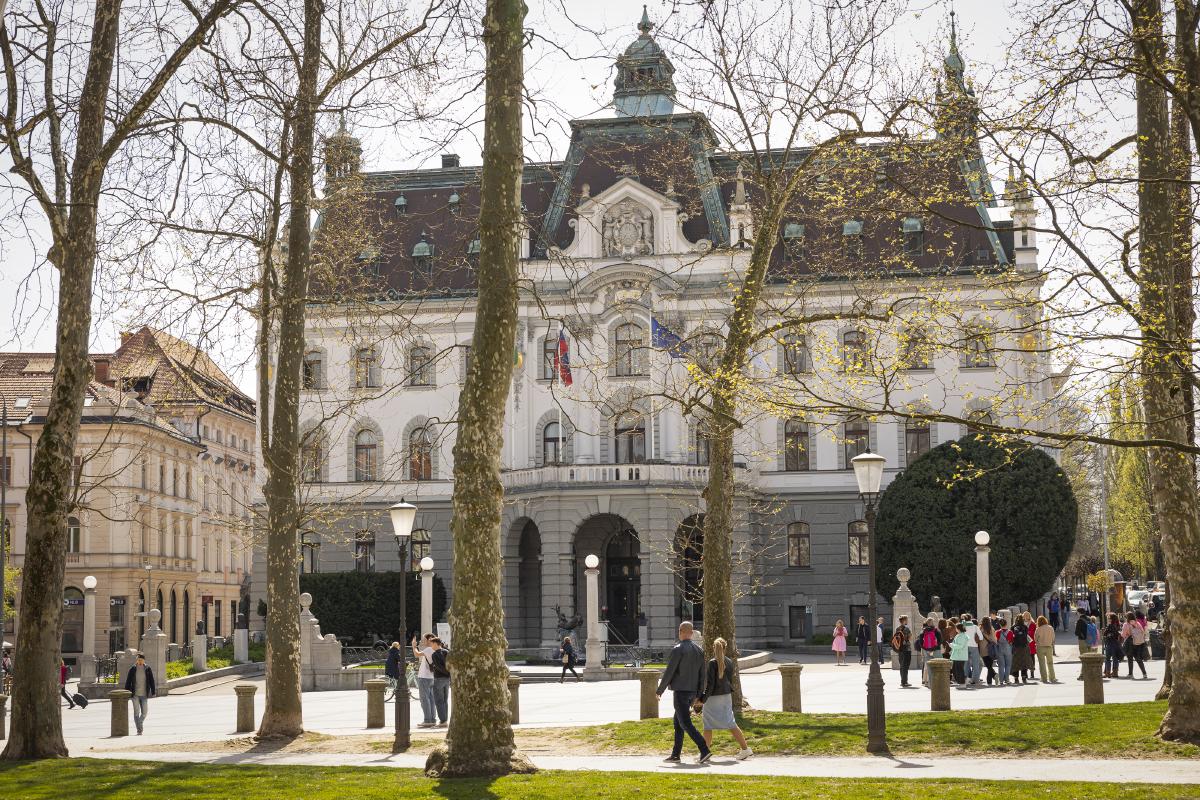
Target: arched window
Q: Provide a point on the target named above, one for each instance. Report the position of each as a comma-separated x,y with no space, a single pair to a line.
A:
857,537
420,546
366,368
796,358
420,366
552,444
187,613
799,545
174,618
420,455
916,349
977,348
629,343
366,456
977,420
145,536
854,351
312,459
629,439
916,439
703,443
549,357
857,433
312,372
74,535
795,445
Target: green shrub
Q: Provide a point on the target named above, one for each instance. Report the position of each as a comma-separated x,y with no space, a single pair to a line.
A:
929,515
362,605
821,638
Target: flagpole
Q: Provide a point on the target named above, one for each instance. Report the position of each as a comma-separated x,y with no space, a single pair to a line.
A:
651,360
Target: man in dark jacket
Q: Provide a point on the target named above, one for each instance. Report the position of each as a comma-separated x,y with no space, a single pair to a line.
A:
140,681
904,653
1081,635
684,676
391,668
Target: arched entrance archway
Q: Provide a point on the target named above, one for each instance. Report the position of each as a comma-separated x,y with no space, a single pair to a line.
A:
529,577
616,543
689,568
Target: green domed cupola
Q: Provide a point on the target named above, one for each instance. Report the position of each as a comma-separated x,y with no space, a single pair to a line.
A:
644,86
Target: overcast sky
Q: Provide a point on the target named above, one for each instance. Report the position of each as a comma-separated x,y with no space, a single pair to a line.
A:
580,84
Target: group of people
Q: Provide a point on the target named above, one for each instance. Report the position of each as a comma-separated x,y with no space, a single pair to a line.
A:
862,637
433,677
1128,640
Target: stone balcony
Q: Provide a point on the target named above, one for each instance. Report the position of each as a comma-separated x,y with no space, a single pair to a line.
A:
615,476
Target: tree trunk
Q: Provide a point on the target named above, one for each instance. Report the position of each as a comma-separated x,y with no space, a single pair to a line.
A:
480,741
717,556
1172,484
283,715
36,730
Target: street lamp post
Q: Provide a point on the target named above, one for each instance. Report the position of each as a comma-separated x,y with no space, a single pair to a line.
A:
4,479
403,515
868,472
982,587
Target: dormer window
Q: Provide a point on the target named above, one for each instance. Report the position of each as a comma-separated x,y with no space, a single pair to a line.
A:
793,240
473,247
422,255
914,236
454,202
401,204
852,243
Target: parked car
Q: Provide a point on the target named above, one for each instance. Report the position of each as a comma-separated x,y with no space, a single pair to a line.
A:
1138,600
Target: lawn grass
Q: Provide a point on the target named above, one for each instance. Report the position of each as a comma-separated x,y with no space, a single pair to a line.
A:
218,658
1118,730
140,780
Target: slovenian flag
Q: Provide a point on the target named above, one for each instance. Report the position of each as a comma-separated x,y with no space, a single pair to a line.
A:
663,338
562,359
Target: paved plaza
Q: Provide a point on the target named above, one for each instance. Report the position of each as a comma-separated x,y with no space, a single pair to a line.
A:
207,712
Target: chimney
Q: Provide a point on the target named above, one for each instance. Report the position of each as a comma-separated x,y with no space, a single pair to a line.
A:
102,374
449,161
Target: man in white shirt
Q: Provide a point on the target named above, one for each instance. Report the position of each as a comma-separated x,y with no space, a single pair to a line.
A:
424,656
879,636
974,661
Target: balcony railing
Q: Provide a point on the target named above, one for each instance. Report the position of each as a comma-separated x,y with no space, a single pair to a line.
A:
606,474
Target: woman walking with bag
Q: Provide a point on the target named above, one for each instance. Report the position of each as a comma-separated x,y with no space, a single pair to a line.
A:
717,700
1133,639
568,660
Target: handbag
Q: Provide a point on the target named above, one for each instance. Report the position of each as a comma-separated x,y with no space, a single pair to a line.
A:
566,659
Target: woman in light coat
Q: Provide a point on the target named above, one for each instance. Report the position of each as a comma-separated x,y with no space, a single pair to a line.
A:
1043,637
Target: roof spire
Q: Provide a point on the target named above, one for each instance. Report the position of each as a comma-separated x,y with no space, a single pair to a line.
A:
645,25
954,62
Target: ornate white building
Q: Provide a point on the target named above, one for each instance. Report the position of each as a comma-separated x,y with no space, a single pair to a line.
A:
630,244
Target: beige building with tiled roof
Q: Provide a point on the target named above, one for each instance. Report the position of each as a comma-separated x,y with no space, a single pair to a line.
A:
164,474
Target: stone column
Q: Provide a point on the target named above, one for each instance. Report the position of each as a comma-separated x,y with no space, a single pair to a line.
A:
154,646
241,645
790,673
245,706
200,652
595,648
1093,684
376,688
649,679
119,720
939,684
427,600
514,699
982,590
87,663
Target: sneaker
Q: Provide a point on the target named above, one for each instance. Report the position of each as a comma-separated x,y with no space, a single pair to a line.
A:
672,760
742,755
704,757
441,724
425,724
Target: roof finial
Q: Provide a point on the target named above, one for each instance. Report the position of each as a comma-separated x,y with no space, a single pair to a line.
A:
342,121
954,62
645,25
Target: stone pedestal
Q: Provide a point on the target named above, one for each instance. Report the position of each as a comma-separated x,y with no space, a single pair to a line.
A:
649,679
245,706
939,684
903,604
514,699
790,674
154,647
320,655
87,662
595,647
376,689
119,720
1093,683
427,601
241,646
200,652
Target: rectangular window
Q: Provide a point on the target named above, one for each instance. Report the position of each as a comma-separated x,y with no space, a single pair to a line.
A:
858,544
857,439
364,552
6,470
74,536
420,366
799,545
310,373
549,357
76,470
854,351
795,446
217,618
915,349
795,355
366,369
798,627
916,440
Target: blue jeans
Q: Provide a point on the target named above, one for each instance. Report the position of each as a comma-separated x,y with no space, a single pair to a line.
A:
974,665
683,723
1113,657
441,698
425,693
1003,663
141,708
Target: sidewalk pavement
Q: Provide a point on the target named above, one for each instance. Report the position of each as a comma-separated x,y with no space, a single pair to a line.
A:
929,768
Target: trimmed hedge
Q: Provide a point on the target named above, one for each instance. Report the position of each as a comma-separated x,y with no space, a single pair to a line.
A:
364,605
929,515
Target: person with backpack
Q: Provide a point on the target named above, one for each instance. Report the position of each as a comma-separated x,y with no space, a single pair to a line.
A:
930,642
902,644
1004,651
958,655
1022,663
1112,645
568,660
1043,637
439,665
1133,639
1081,635
1053,608
862,637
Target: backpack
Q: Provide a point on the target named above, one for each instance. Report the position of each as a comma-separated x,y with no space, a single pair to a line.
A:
1137,634
929,639
898,641
1021,636
439,664
1093,635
